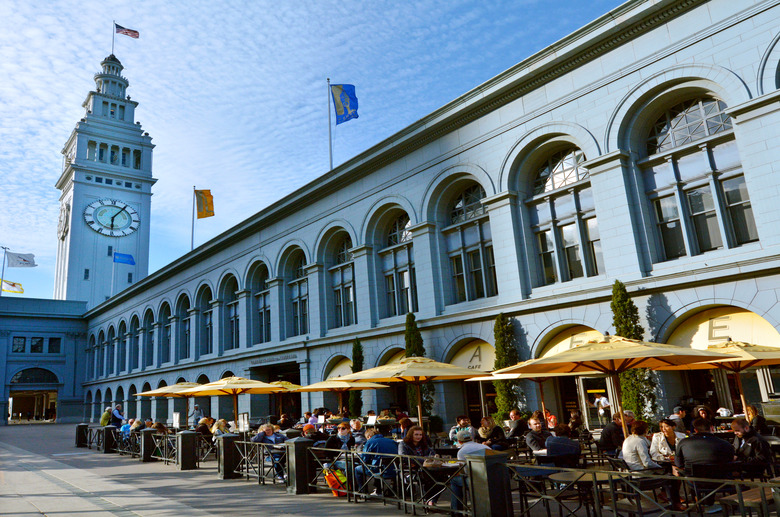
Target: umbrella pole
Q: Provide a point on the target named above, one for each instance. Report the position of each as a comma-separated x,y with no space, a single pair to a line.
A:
741,392
341,398
235,409
187,414
419,404
541,396
616,386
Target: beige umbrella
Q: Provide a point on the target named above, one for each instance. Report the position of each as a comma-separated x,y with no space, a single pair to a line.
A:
340,387
173,391
614,355
538,378
413,370
288,387
745,355
234,386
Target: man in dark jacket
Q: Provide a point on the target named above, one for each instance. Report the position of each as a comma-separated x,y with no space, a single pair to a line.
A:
536,437
703,448
611,440
516,426
752,449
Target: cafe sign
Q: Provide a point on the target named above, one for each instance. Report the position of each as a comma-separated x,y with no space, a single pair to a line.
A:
476,355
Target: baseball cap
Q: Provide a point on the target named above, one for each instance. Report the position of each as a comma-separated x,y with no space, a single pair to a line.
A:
677,409
464,435
307,428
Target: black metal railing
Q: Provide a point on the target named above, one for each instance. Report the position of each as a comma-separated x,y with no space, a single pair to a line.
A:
95,438
264,461
129,444
164,447
205,448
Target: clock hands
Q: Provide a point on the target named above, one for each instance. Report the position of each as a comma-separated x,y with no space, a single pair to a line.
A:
116,214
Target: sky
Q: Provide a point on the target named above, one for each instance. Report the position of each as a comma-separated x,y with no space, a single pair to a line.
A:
234,95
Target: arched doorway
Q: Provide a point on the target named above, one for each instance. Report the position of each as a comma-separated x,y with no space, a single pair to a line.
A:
146,403
478,397
340,366
565,394
395,395
161,406
33,395
716,388
131,411
204,403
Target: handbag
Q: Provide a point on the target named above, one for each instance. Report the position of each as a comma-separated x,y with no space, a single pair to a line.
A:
337,481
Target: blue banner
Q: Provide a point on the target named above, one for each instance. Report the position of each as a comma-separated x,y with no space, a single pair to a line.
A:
345,102
124,258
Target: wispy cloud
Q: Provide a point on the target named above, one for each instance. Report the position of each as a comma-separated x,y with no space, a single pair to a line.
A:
233,94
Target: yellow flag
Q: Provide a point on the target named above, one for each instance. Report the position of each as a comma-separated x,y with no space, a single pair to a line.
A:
205,203
11,287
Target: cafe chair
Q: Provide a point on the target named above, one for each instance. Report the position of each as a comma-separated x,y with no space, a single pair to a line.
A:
636,494
704,492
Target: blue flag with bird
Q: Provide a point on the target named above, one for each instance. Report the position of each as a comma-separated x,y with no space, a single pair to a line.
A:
345,102
124,258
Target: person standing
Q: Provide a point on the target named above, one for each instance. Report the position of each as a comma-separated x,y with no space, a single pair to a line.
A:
117,416
196,415
105,418
603,406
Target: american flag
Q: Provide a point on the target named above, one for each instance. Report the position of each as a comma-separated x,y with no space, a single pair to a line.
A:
126,32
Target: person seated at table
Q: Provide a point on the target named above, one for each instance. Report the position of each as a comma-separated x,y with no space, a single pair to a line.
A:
664,443
462,423
285,422
160,428
204,426
148,423
309,418
491,434
636,448
703,448
386,414
344,412
125,429
678,417
466,446
373,463
561,444
551,419
343,438
415,443
578,429
319,438
517,427
267,435
404,425
706,413
611,440
357,431
757,421
137,425
540,416
400,414
752,449
219,428
536,437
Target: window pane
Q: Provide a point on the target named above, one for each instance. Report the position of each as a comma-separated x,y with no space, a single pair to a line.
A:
18,345
36,345
546,257
337,307
458,279
390,290
54,345
492,286
349,306
594,239
475,263
669,227
705,219
740,210
403,291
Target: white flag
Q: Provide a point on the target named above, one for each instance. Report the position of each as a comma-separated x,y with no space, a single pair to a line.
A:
21,260
11,287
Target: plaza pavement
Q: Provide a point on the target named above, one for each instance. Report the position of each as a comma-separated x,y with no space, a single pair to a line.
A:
43,473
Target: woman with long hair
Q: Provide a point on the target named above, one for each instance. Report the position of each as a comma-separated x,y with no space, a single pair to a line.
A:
491,435
757,421
415,443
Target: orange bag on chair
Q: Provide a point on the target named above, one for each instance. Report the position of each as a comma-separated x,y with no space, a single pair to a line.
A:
337,481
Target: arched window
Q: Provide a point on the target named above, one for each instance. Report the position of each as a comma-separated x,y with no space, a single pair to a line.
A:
342,275
135,344
183,328
230,311
299,296
694,181
122,348
148,356
34,376
563,219
397,260
165,337
110,344
91,358
206,322
261,297
101,365
470,247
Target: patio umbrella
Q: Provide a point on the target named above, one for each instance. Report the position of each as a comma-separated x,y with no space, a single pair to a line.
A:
614,355
413,370
173,391
538,378
340,387
745,355
233,386
288,386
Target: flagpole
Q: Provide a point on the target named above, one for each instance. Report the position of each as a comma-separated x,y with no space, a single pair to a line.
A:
192,234
2,275
113,35
113,273
330,139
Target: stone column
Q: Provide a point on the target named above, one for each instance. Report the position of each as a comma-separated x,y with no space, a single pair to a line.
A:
217,306
156,344
427,270
318,321
244,311
173,356
365,285
141,348
276,303
506,233
194,349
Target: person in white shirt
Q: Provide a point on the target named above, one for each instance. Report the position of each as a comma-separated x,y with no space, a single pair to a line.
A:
602,403
663,444
636,448
457,484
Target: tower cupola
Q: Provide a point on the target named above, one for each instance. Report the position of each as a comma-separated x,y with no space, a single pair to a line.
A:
110,80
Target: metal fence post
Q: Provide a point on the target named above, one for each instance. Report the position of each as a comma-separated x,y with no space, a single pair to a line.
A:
81,435
489,484
109,439
147,445
298,460
228,456
187,450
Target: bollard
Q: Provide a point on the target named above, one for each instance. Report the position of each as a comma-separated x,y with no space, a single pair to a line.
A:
81,435
109,439
187,450
147,445
228,456
298,465
489,484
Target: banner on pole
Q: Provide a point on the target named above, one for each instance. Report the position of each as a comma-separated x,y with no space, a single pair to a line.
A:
21,259
205,203
11,287
124,258
345,102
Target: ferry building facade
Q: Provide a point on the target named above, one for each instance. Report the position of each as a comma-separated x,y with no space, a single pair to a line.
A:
640,148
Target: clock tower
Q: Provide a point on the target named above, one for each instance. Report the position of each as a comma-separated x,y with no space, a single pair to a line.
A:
106,186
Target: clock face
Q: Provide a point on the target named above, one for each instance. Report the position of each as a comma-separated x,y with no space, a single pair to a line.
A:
62,227
112,217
